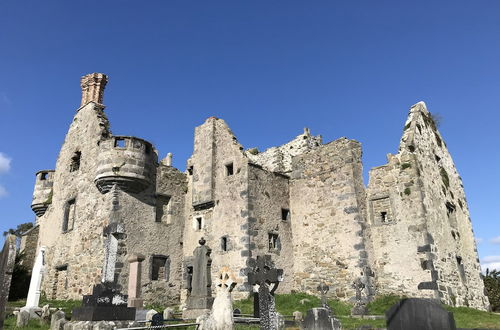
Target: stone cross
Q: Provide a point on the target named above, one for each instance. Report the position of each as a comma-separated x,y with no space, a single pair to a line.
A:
200,300
36,279
359,305
266,277
323,290
134,281
7,260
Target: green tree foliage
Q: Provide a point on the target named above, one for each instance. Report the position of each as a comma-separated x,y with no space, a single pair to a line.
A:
492,284
20,279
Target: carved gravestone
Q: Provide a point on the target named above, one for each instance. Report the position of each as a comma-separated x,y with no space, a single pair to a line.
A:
359,305
419,314
321,318
266,277
7,260
200,299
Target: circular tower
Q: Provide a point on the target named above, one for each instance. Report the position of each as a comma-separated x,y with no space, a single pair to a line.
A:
42,194
126,161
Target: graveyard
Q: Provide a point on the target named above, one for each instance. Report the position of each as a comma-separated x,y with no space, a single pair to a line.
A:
107,308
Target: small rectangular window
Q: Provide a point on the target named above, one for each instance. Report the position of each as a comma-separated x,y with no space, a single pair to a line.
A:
199,223
285,214
160,268
383,216
229,169
120,143
190,170
69,215
43,176
223,243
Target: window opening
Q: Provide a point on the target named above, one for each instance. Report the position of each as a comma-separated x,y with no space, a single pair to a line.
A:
223,243
43,176
75,161
69,215
190,170
229,169
160,268
199,223
120,143
383,216
285,214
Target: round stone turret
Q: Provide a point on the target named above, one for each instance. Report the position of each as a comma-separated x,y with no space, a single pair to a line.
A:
126,161
42,194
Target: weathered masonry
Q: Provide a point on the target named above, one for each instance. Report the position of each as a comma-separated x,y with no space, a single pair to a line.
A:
408,232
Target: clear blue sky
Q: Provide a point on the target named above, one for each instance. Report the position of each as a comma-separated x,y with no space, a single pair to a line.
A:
269,68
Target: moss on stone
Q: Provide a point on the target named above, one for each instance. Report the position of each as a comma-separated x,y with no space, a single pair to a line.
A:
407,191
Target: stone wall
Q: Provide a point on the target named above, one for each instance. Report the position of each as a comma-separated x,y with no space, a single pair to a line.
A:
279,159
270,226
327,218
223,181
28,246
425,246
71,228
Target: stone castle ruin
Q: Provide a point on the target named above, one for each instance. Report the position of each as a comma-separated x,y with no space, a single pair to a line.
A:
304,203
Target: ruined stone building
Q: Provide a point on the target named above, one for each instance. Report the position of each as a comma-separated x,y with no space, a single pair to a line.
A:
408,232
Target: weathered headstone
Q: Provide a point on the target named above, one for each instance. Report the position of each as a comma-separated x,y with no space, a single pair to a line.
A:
45,316
134,281
150,313
168,313
55,318
23,318
266,277
419,314
320,318
200,299
360,304
7,260
221,315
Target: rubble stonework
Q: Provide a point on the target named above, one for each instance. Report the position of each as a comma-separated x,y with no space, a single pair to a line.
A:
304,203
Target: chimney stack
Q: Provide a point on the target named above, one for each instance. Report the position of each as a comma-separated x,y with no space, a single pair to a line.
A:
93,88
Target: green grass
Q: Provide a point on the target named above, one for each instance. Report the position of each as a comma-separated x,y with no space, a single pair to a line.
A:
10,323
473,318
286,304
382,303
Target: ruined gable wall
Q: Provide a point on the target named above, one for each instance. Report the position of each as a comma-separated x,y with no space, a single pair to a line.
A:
225,212
448,220
279,159
327,218
80,249
398,238
268,195
420,241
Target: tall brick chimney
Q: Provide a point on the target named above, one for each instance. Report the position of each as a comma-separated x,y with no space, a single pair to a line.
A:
93,87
